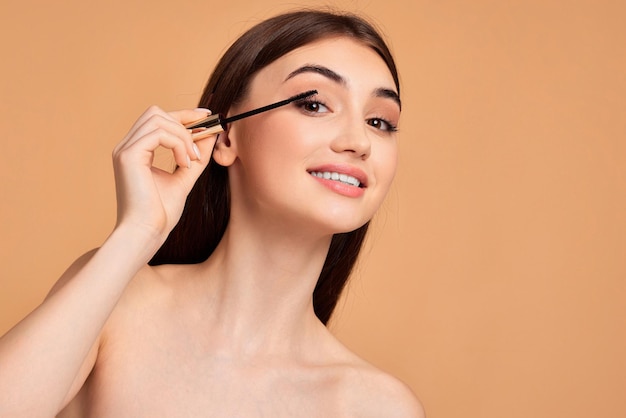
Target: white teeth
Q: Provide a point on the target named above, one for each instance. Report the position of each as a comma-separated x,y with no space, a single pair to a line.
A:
344,178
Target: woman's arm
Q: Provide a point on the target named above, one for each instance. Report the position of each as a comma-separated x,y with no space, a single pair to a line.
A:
45,358
41,357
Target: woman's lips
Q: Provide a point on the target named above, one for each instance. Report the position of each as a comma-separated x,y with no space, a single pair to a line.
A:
345,180
337,170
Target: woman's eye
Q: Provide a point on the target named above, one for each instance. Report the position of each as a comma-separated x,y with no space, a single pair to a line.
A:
382,124
313,107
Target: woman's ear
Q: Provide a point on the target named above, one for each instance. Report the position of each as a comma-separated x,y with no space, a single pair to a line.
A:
224,152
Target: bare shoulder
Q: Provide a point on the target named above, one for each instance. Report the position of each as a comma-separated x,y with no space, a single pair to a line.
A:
374,393
151,300
143,296
367,391
149,291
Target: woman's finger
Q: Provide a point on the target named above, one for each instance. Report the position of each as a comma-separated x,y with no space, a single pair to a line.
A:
189,176
156,121
141,151
166,123
189,115
141,120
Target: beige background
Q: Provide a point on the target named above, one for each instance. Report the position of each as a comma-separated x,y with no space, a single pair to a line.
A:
495,285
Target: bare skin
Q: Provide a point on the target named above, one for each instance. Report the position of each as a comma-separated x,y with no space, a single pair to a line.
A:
236,335
167,358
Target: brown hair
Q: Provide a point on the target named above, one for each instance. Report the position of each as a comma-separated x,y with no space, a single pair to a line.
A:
207,209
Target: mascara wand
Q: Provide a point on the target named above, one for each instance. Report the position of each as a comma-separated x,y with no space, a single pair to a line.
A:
213,124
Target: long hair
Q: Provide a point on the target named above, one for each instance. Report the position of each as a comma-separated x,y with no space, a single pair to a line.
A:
207,209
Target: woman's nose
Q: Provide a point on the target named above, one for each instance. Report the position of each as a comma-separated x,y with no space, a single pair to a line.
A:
353,138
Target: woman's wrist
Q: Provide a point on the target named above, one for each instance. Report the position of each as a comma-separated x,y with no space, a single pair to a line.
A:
136,241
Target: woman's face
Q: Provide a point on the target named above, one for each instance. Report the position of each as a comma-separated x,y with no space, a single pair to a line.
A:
326,162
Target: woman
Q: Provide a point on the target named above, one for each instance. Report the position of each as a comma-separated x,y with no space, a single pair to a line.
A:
247,255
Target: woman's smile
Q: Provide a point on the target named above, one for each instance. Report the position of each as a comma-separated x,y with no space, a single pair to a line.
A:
335,176
344,179
335,183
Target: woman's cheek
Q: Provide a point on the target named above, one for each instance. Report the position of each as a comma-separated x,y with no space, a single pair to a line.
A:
388,161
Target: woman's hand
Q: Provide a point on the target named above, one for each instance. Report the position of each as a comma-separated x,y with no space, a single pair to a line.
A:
147,197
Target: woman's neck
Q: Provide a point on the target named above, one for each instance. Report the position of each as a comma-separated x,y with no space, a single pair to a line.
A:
261,285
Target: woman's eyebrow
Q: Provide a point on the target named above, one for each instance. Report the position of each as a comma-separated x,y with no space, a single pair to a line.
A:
388,94
330,74
318,69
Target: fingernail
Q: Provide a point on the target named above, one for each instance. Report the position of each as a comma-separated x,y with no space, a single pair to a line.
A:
188,162
197,151
202,109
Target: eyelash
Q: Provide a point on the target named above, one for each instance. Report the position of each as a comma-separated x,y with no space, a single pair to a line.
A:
390,126
302,104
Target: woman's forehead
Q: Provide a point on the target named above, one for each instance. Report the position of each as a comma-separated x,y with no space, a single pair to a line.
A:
345,56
